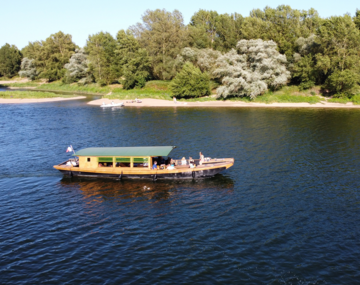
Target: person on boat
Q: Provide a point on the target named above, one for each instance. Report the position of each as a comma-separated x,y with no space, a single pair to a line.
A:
155,165
171,167
202,159
161,160
183,161
191,164
100,164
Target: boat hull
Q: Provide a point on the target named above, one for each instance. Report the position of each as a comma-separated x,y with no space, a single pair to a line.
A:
190,174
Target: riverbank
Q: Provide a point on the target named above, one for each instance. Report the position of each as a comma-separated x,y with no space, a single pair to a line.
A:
228,103
288,96
18,97
44,100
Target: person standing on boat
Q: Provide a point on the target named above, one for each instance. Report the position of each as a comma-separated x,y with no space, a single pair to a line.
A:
202,159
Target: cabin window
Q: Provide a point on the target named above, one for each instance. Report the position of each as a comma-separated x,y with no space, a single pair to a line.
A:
122,162
141,162
105,161
88,159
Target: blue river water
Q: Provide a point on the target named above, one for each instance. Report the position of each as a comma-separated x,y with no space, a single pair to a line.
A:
287,212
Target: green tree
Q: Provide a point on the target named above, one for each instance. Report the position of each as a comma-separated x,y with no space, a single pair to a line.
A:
343,82
340,50
55,52
283,25
10,60
32,50
228,30
206,21
101,54
190,82
162,34
305,72
134,61
357,19
340,40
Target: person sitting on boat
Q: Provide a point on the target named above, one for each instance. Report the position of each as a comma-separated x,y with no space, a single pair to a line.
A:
191,164
202,159
155,165
183,161
171,167
161,160
100,164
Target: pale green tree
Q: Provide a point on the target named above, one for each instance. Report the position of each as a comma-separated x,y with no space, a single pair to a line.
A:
251,69
28,69
77,70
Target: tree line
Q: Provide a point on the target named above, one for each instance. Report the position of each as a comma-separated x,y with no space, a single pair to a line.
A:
244,56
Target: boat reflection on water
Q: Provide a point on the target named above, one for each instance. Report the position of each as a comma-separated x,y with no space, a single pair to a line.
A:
106,189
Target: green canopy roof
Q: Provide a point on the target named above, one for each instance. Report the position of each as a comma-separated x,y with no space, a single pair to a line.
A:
126,151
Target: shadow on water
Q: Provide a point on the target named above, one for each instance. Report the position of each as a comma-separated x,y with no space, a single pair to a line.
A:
148,189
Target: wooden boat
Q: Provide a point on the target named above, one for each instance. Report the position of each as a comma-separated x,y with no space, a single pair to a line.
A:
137,162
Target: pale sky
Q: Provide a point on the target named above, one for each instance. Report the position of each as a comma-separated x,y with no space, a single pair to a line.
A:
22,21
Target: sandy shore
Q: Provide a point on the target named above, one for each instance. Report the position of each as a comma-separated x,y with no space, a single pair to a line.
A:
22,80
165,103
43,100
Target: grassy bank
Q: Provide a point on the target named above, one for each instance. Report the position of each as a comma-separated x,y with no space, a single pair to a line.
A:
156,89
90,88
288,94
355,100
30,95
21,84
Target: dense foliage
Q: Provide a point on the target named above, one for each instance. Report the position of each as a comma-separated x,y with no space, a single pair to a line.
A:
10,60
190,82
303,49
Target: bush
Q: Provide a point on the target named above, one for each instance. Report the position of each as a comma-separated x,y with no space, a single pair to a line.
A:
342,82
190,82
131,81
306,85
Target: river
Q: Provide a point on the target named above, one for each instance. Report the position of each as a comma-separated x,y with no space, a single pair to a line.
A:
287,212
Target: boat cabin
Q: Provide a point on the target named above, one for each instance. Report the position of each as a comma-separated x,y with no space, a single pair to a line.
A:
122,157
